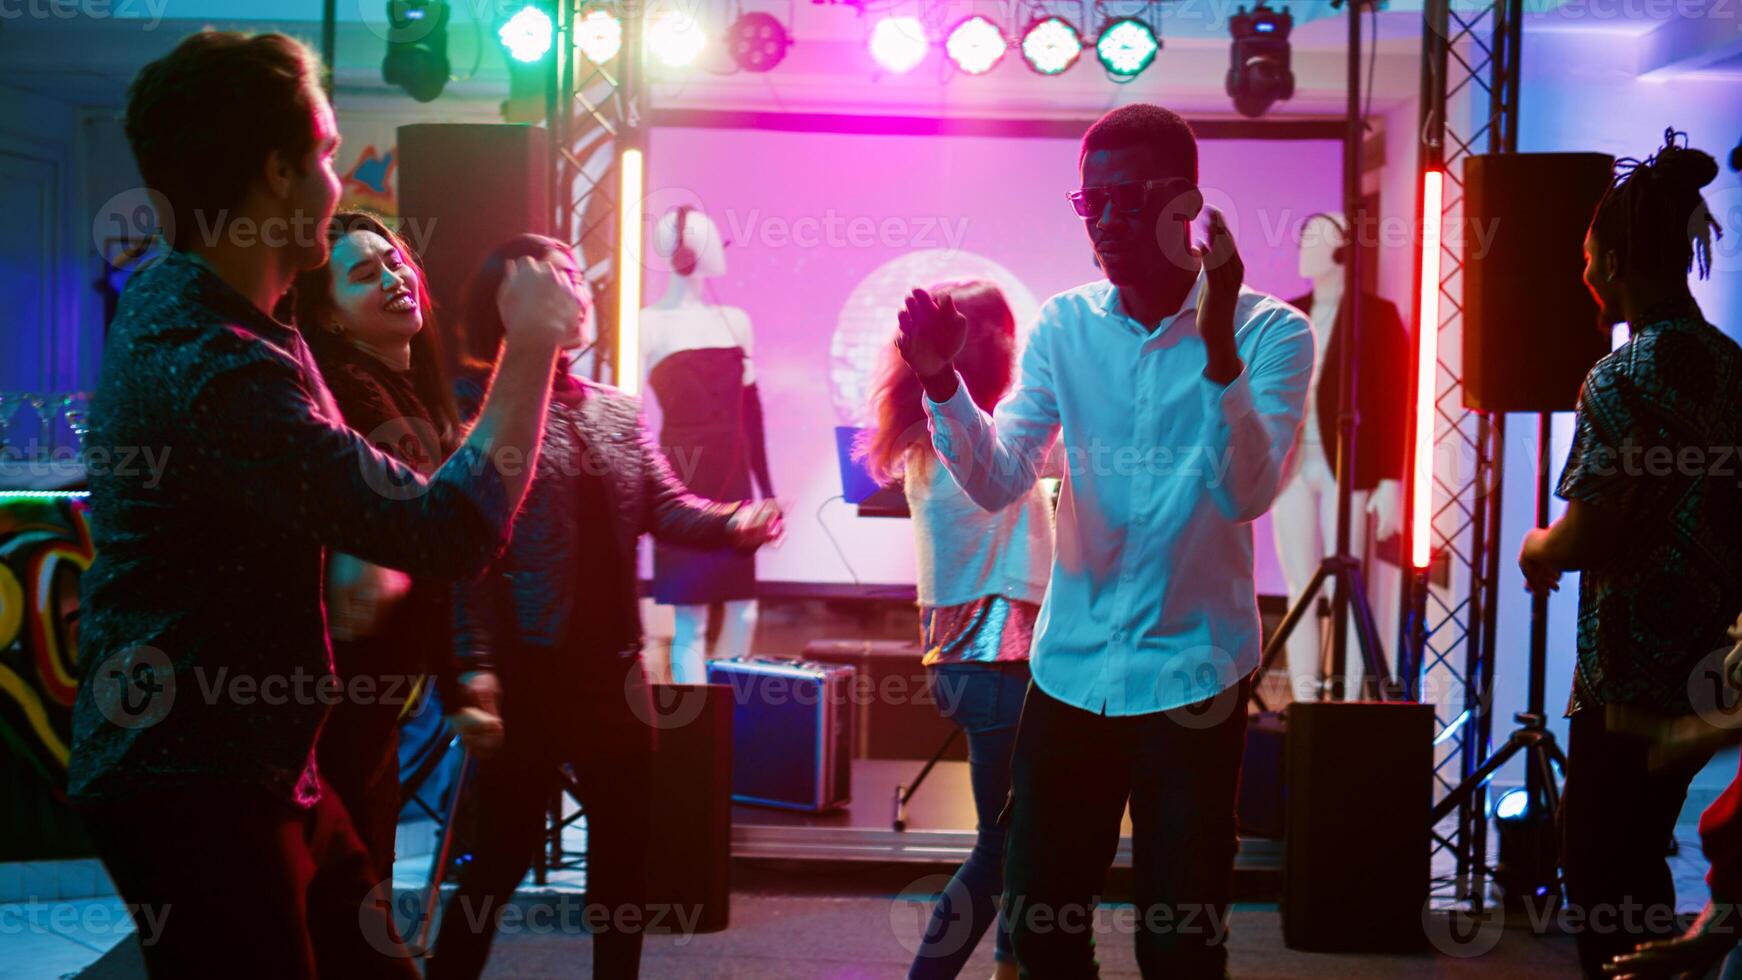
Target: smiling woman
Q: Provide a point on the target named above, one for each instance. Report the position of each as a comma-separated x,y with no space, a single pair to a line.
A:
364,315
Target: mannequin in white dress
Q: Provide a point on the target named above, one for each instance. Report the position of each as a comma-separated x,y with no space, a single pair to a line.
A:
1304,517
696,359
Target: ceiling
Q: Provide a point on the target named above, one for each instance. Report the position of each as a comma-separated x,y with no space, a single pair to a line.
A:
88,60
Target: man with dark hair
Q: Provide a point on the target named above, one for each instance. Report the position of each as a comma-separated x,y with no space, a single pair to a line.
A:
1654,526
1178,393
206,671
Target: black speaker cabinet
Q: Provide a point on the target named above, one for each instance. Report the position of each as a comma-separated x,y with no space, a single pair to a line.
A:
465,188
1529,323
1360,788
689,863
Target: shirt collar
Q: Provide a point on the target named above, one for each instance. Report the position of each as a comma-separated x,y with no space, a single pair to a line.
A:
209,289
1188,310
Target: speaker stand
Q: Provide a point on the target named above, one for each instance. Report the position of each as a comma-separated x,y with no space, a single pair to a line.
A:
1532,737
1344,569
1350,589
419,945
904,794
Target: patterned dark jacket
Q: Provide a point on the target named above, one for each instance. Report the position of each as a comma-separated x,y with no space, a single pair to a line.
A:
527,589
203,636
1659,423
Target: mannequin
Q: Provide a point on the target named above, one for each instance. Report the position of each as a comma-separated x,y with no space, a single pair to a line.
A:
696,356
1305,515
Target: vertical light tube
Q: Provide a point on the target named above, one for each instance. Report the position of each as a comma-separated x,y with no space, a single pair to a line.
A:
629,272
1426,361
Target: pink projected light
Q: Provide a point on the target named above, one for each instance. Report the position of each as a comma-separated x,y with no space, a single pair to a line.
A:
899,43
1421,526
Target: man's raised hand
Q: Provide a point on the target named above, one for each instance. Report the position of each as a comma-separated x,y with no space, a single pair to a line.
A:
932,334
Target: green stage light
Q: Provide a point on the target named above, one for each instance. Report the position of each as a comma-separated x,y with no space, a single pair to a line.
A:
1126,47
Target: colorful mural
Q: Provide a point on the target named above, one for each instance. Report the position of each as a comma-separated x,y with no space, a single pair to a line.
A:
45,545
369,182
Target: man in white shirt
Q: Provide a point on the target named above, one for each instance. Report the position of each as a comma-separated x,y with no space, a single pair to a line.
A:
1178,393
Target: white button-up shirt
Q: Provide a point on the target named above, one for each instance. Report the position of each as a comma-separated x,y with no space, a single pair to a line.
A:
1151,604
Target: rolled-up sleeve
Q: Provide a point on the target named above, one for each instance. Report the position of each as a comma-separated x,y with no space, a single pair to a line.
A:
260,442
1254,418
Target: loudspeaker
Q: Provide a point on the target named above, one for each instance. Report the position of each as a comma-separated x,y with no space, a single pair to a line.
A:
465,188
1360,790
689,862
1530,324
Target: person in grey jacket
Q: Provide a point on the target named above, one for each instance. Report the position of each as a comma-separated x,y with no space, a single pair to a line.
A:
549,640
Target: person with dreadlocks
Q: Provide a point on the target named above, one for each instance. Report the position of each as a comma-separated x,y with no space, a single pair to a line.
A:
1654,524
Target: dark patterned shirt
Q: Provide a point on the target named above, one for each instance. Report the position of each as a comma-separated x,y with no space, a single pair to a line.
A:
1659,430
220,473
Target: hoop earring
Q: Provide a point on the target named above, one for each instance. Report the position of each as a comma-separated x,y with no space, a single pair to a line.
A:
335,328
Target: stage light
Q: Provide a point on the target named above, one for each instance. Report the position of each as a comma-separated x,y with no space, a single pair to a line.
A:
1126,47
629,232
1259,73
599,36
1526,869
758,41
976,45
1427,318
675,38
1051,45
899,43
526,34
1512,804
417,47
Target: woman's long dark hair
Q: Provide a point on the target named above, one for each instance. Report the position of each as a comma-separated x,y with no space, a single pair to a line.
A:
987,364
479,314
312,305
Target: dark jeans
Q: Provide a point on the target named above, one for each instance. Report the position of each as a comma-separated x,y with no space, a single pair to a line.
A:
514,792
1617,817
1073,773
248,885
984,701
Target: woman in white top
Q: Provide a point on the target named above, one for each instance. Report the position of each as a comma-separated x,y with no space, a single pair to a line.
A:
981,579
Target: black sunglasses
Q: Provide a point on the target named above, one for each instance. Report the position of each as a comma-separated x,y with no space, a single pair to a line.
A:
1129,197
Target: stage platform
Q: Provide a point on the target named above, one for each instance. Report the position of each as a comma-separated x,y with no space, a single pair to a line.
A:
940,829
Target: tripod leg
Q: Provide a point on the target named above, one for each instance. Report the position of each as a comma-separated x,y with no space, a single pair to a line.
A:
1540,756
1290,622
1464,790
444,845
1367,634
930,763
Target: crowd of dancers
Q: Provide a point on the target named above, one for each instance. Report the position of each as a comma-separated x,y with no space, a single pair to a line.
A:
336,507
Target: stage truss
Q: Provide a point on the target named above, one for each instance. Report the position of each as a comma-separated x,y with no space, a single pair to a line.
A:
595,113
1469,97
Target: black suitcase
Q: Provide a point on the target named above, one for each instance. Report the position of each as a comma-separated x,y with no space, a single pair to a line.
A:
791,732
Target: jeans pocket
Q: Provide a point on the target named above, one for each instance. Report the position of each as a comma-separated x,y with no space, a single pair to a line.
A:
962,693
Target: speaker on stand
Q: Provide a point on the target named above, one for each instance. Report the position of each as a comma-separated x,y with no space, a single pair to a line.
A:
1531,334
